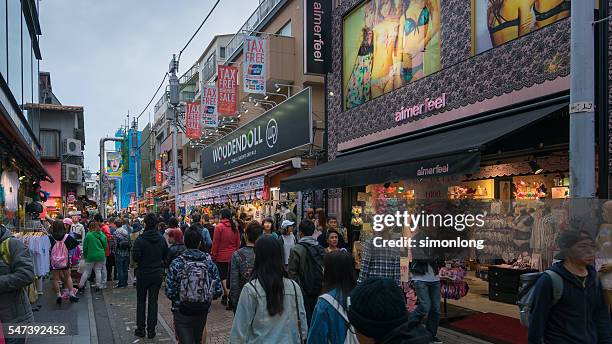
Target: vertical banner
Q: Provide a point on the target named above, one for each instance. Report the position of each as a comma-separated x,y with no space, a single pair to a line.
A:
317,40
254,55
193,123
227,89
114,164
209,107
158,172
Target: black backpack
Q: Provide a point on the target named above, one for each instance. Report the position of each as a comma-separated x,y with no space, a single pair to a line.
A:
311,279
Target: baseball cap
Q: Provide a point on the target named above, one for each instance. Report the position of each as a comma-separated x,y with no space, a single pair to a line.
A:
287,223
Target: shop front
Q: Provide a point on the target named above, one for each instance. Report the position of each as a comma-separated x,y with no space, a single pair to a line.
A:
473,129
244,169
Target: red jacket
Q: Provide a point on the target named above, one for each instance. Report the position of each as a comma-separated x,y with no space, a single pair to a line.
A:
225,243
106,231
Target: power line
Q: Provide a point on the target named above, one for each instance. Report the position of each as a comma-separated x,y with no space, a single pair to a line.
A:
198,30
154,95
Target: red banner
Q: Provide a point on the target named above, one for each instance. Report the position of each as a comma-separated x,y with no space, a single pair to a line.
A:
192,120
227,89
158,174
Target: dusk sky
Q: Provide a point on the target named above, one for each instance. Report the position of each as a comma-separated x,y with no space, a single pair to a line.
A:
110,56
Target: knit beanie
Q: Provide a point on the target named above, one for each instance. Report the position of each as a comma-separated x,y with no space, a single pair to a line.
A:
376,307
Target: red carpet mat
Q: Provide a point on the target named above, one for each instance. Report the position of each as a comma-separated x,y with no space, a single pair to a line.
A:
493,327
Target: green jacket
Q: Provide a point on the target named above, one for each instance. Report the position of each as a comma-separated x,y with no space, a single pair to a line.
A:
94,246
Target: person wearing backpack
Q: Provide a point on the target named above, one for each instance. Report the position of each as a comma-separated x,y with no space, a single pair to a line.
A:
192,284
271,307
16,273
580,313
330,322
61,243
241,265
306,266
149,252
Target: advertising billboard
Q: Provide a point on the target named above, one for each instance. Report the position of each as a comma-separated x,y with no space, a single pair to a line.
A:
227,89
499,21
388,44
254,52
114,164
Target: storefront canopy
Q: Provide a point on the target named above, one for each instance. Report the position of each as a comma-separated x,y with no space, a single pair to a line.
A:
450,152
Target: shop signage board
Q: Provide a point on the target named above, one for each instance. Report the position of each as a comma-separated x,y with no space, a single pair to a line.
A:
254,55
243,186
227,89
193,121
158,172
210,117
284,127
317,40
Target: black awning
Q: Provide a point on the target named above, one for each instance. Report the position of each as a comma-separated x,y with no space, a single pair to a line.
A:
451,152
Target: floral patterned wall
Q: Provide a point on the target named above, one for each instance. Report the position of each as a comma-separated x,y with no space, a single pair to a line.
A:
540,56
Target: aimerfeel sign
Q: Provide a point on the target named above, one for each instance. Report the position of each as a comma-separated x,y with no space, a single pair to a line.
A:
286,126
410,112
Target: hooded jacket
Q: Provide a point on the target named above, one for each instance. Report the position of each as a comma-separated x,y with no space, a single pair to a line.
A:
150,251
94,246
580,317
14,303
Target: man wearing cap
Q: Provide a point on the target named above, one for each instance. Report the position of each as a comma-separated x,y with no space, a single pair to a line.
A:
377,310
581,314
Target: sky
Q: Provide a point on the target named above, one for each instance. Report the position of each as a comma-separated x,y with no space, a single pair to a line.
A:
110,56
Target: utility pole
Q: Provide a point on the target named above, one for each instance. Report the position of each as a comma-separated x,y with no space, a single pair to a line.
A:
134,148
582,100
175,102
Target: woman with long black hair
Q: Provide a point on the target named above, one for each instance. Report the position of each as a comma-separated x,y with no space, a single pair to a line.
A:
271,307
227,241
329,319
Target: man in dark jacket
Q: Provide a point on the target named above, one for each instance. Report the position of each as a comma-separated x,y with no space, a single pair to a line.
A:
196,221
581,315
149,252
16,272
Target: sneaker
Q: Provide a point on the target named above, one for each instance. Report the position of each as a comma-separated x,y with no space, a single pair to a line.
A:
224,300
151,334
81,290
435,340
58,300
74,299
139,333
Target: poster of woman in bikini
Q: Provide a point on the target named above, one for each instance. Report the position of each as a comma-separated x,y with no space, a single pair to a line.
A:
388,44
499,21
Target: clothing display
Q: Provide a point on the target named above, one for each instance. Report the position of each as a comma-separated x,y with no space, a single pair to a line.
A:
39,245
10,184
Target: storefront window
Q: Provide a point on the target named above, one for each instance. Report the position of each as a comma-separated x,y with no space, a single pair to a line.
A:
14,49
3,38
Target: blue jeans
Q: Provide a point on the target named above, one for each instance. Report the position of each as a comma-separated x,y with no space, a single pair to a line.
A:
121,264
428,304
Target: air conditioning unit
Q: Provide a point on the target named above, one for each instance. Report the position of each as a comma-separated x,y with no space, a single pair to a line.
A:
72,147
72,173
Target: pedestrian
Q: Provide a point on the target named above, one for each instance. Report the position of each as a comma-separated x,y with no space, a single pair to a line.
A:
122,254
177,246
94,246
166,215
332,224
136,231
329,319
77,228
61,244
287,240
242,263
425,268
196,220
320,223
209,227
227,241
378,312
581,314
161,227
268,228
306,266
149,252
173,223
270,308
16,273
332,241
190,305
382,262
111,270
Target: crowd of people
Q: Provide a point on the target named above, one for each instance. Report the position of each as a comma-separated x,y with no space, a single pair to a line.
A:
285,283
